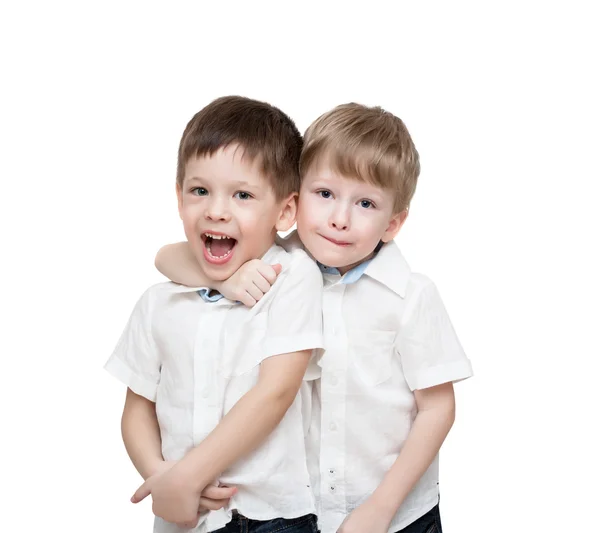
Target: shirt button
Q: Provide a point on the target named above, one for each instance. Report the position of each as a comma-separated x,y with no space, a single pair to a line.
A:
205,393
333,426
331,471
332,488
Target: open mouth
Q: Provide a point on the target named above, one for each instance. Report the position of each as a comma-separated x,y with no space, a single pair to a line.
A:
218,247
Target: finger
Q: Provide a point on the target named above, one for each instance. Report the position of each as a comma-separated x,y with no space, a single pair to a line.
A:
270,272
213,505
261,282
247,299
142,492
218,493
255,292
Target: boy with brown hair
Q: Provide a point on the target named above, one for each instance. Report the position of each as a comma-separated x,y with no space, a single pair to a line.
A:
213,386
384,402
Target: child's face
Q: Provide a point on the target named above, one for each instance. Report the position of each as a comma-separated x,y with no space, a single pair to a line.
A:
229,211
341,220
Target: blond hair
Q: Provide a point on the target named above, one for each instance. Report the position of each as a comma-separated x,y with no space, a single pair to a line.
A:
367,144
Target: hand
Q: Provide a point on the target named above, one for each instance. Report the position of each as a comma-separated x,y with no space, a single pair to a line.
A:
214,498
366,518
251,282
174,497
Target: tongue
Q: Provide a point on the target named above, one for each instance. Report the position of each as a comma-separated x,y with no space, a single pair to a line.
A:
220,247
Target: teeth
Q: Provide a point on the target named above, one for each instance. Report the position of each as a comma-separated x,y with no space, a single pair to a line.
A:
218,237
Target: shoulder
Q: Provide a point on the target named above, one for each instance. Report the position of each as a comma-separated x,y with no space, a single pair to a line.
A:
294,261
418,283
162,293
302,266
300,276
423,298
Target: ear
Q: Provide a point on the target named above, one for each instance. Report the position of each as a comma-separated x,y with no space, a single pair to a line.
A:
179,193
287,215
396,222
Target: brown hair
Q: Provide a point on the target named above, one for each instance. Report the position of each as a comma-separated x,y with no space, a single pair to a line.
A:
366,144
261,130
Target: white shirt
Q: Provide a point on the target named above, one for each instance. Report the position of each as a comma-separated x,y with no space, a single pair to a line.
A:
197,359
387,334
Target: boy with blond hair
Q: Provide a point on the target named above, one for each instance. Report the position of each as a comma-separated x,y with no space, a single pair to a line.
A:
212,394
385,401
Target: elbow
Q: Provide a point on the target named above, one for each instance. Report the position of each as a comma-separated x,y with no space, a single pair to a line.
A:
449,414
158,260
282,396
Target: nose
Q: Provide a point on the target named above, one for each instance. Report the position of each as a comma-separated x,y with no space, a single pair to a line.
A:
217,211
340,219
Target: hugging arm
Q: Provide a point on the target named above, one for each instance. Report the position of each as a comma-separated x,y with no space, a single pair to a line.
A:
248,285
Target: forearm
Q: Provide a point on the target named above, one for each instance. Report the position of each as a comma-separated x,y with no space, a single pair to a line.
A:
177,262
424,441
249,422
242,430
141,434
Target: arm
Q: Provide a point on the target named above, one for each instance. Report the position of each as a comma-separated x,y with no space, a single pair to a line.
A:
254,416
177,262
431,426
247,285
141,435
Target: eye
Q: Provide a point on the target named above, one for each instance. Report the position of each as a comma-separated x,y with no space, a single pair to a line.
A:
367,204
199,191
242,195
324,194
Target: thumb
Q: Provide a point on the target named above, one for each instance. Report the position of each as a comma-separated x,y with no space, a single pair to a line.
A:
277,268
142,492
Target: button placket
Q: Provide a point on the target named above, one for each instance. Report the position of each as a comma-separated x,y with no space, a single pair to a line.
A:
333,399
207,385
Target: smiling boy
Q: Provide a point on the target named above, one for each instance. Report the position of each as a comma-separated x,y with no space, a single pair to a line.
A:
212,394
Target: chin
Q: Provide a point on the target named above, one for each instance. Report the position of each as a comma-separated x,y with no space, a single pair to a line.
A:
219,274
330,260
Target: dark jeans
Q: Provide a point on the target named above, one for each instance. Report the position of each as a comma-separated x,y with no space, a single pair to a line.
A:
429,523
241,524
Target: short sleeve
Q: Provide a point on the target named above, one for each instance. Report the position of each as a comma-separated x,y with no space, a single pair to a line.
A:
295,316
135,361
429,349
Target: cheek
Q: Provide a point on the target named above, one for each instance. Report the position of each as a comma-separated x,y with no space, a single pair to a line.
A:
310,211
189,213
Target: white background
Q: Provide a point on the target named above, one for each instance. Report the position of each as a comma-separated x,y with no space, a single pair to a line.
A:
502,102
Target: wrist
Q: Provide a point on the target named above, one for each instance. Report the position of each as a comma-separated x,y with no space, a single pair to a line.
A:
152,467
385,506
192,471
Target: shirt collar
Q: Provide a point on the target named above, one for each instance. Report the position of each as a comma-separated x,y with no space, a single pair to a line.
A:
387,267
352,276
390,268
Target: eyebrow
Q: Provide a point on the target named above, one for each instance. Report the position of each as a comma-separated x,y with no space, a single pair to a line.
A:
237,183
242,183
375,194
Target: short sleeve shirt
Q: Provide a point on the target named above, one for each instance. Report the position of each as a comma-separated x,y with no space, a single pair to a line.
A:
196,359
387,333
